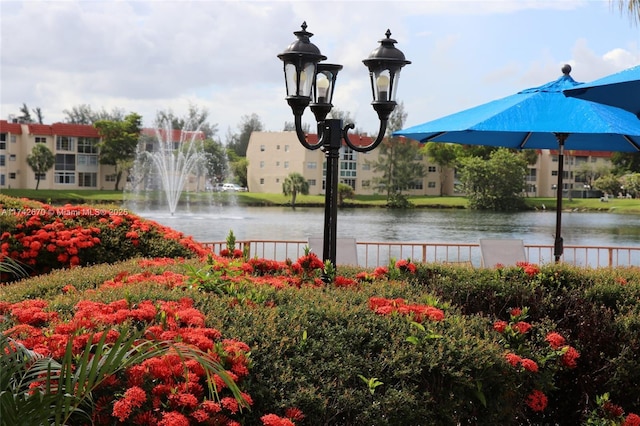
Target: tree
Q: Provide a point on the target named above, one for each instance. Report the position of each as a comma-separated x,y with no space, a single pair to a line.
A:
444,155
398,162
344,192
293,184
216,160
631,184
83,114
119,143
196,119
239,143
632,8
238,167
25,116
494,184
40,160
626,162
609,184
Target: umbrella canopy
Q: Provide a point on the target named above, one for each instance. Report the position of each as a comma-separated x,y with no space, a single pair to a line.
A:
538,118
621,90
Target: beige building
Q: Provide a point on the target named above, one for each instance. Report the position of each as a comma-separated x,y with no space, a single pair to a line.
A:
74,146
272,156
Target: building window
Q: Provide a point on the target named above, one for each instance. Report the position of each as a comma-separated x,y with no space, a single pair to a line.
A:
277,146
2,182
554,173
42,176
262,148
261,181
350,182
286,148
3,160
431,184
277,180
262,164
87,160
416,185
366,166
347,169
65,143
311,182
3,145
110,178
312,165
65,162
286,164
66,178
366,184
88,179
277,164
41,139
12,175
431,169
88,145
14,139
12,157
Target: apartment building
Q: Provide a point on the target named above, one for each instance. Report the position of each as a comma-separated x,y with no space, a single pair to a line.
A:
272,156
74,146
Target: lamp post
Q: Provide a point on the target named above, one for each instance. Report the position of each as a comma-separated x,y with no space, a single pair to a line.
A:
311,83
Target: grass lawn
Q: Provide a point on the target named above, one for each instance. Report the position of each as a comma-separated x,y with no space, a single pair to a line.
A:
259,199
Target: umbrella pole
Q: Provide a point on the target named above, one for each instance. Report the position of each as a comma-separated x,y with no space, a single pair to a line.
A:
558,247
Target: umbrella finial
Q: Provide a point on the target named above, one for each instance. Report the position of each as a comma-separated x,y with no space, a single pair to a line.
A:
566,69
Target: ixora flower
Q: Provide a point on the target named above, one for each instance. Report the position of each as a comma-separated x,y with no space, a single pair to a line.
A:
537,400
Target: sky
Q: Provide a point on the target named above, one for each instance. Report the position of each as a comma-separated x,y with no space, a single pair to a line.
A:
146,56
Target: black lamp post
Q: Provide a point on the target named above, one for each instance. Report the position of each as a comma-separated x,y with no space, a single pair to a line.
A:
311,83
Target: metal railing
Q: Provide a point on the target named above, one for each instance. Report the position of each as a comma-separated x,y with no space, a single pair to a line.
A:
372,254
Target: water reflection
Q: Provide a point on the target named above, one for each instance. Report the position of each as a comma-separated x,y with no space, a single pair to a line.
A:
417,225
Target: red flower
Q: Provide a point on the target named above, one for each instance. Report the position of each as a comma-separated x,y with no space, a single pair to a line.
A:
513,359
273,420
521,327
529,365
294,414
515,312
341,281
556,341
173,418
537,401
632,420
500,326
613,409
569,358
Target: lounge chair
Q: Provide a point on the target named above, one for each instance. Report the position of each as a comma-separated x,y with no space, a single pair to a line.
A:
346,250
505,252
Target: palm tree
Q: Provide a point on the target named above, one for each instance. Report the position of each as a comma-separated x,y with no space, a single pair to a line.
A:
40,160
293,184
632,7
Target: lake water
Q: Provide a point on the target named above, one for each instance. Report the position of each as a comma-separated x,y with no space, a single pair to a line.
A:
416,225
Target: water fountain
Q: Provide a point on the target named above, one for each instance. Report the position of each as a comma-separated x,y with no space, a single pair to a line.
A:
166,159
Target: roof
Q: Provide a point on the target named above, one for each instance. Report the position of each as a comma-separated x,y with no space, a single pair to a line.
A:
14,128
581,153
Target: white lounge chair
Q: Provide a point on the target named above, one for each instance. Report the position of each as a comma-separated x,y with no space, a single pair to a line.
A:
504,252
346,250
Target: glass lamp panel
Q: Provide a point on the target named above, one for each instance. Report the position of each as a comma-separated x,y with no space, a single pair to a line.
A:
291,79
394,84
381,85
306,79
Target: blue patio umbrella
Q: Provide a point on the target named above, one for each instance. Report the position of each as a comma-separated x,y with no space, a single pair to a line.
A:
538,118
621,90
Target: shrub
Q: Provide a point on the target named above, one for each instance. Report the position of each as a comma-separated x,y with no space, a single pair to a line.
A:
44,238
